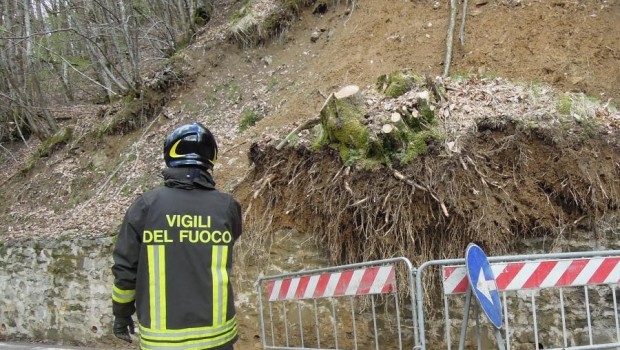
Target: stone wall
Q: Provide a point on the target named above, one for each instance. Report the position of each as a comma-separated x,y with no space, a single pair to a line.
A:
56,290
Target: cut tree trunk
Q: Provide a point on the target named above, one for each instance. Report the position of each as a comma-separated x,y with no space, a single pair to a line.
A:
342,119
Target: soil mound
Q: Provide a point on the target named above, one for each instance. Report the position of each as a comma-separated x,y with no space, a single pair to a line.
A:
515,161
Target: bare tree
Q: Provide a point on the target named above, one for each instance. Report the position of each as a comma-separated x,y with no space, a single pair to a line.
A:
51,50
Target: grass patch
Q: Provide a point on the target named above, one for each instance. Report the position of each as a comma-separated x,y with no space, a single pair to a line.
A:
232,91
248,118
79,189
249,28
272,83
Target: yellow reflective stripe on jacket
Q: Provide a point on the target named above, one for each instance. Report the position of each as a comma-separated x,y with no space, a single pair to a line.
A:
157,285
219,256
186,334
197,344
122,296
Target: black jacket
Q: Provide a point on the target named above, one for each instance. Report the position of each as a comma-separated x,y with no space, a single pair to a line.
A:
172,263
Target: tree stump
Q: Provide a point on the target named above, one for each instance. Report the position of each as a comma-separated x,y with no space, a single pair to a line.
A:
342,119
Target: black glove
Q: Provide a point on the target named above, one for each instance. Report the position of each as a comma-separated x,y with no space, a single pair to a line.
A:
122,327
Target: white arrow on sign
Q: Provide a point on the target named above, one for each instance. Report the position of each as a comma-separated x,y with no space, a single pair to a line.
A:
485,286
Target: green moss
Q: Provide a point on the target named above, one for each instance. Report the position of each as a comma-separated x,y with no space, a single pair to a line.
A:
427,114
398,83
320,137
51,334
564,105
343,127
60,138
372,163
62,264
36,333
397,88
342,124
348,156
273,23
51,144
74,307
202,14
418,145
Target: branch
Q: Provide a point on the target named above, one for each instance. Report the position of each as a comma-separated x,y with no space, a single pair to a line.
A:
9,153
410,182
134,148
78,71
308,124
235,146
437,89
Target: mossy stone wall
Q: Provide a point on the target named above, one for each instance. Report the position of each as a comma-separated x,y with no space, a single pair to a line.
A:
56,289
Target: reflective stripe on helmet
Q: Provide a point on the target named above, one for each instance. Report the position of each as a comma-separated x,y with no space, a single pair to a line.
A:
173,150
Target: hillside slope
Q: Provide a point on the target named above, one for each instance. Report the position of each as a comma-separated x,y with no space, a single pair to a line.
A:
84,189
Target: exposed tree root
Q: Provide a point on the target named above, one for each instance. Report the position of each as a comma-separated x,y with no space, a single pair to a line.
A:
509,185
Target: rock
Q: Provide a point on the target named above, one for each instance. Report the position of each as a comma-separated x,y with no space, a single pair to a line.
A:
576,80
316,34
330,33
423,95
267,60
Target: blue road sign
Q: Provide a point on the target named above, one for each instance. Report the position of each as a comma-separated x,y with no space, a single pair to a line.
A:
482,283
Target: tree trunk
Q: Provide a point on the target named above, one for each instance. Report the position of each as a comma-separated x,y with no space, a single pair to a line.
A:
131,41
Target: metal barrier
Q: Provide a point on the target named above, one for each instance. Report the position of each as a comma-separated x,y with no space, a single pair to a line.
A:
561,277
319,297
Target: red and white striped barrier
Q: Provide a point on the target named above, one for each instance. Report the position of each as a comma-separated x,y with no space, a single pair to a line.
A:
372,280
540,274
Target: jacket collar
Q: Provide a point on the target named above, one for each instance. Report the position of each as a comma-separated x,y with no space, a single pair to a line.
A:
188,178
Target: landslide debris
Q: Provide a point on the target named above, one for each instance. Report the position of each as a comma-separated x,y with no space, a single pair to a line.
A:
509,161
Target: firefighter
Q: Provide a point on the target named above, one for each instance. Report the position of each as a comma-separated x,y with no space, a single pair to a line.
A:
173,256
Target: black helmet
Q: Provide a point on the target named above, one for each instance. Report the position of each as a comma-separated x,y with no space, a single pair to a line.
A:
190,145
